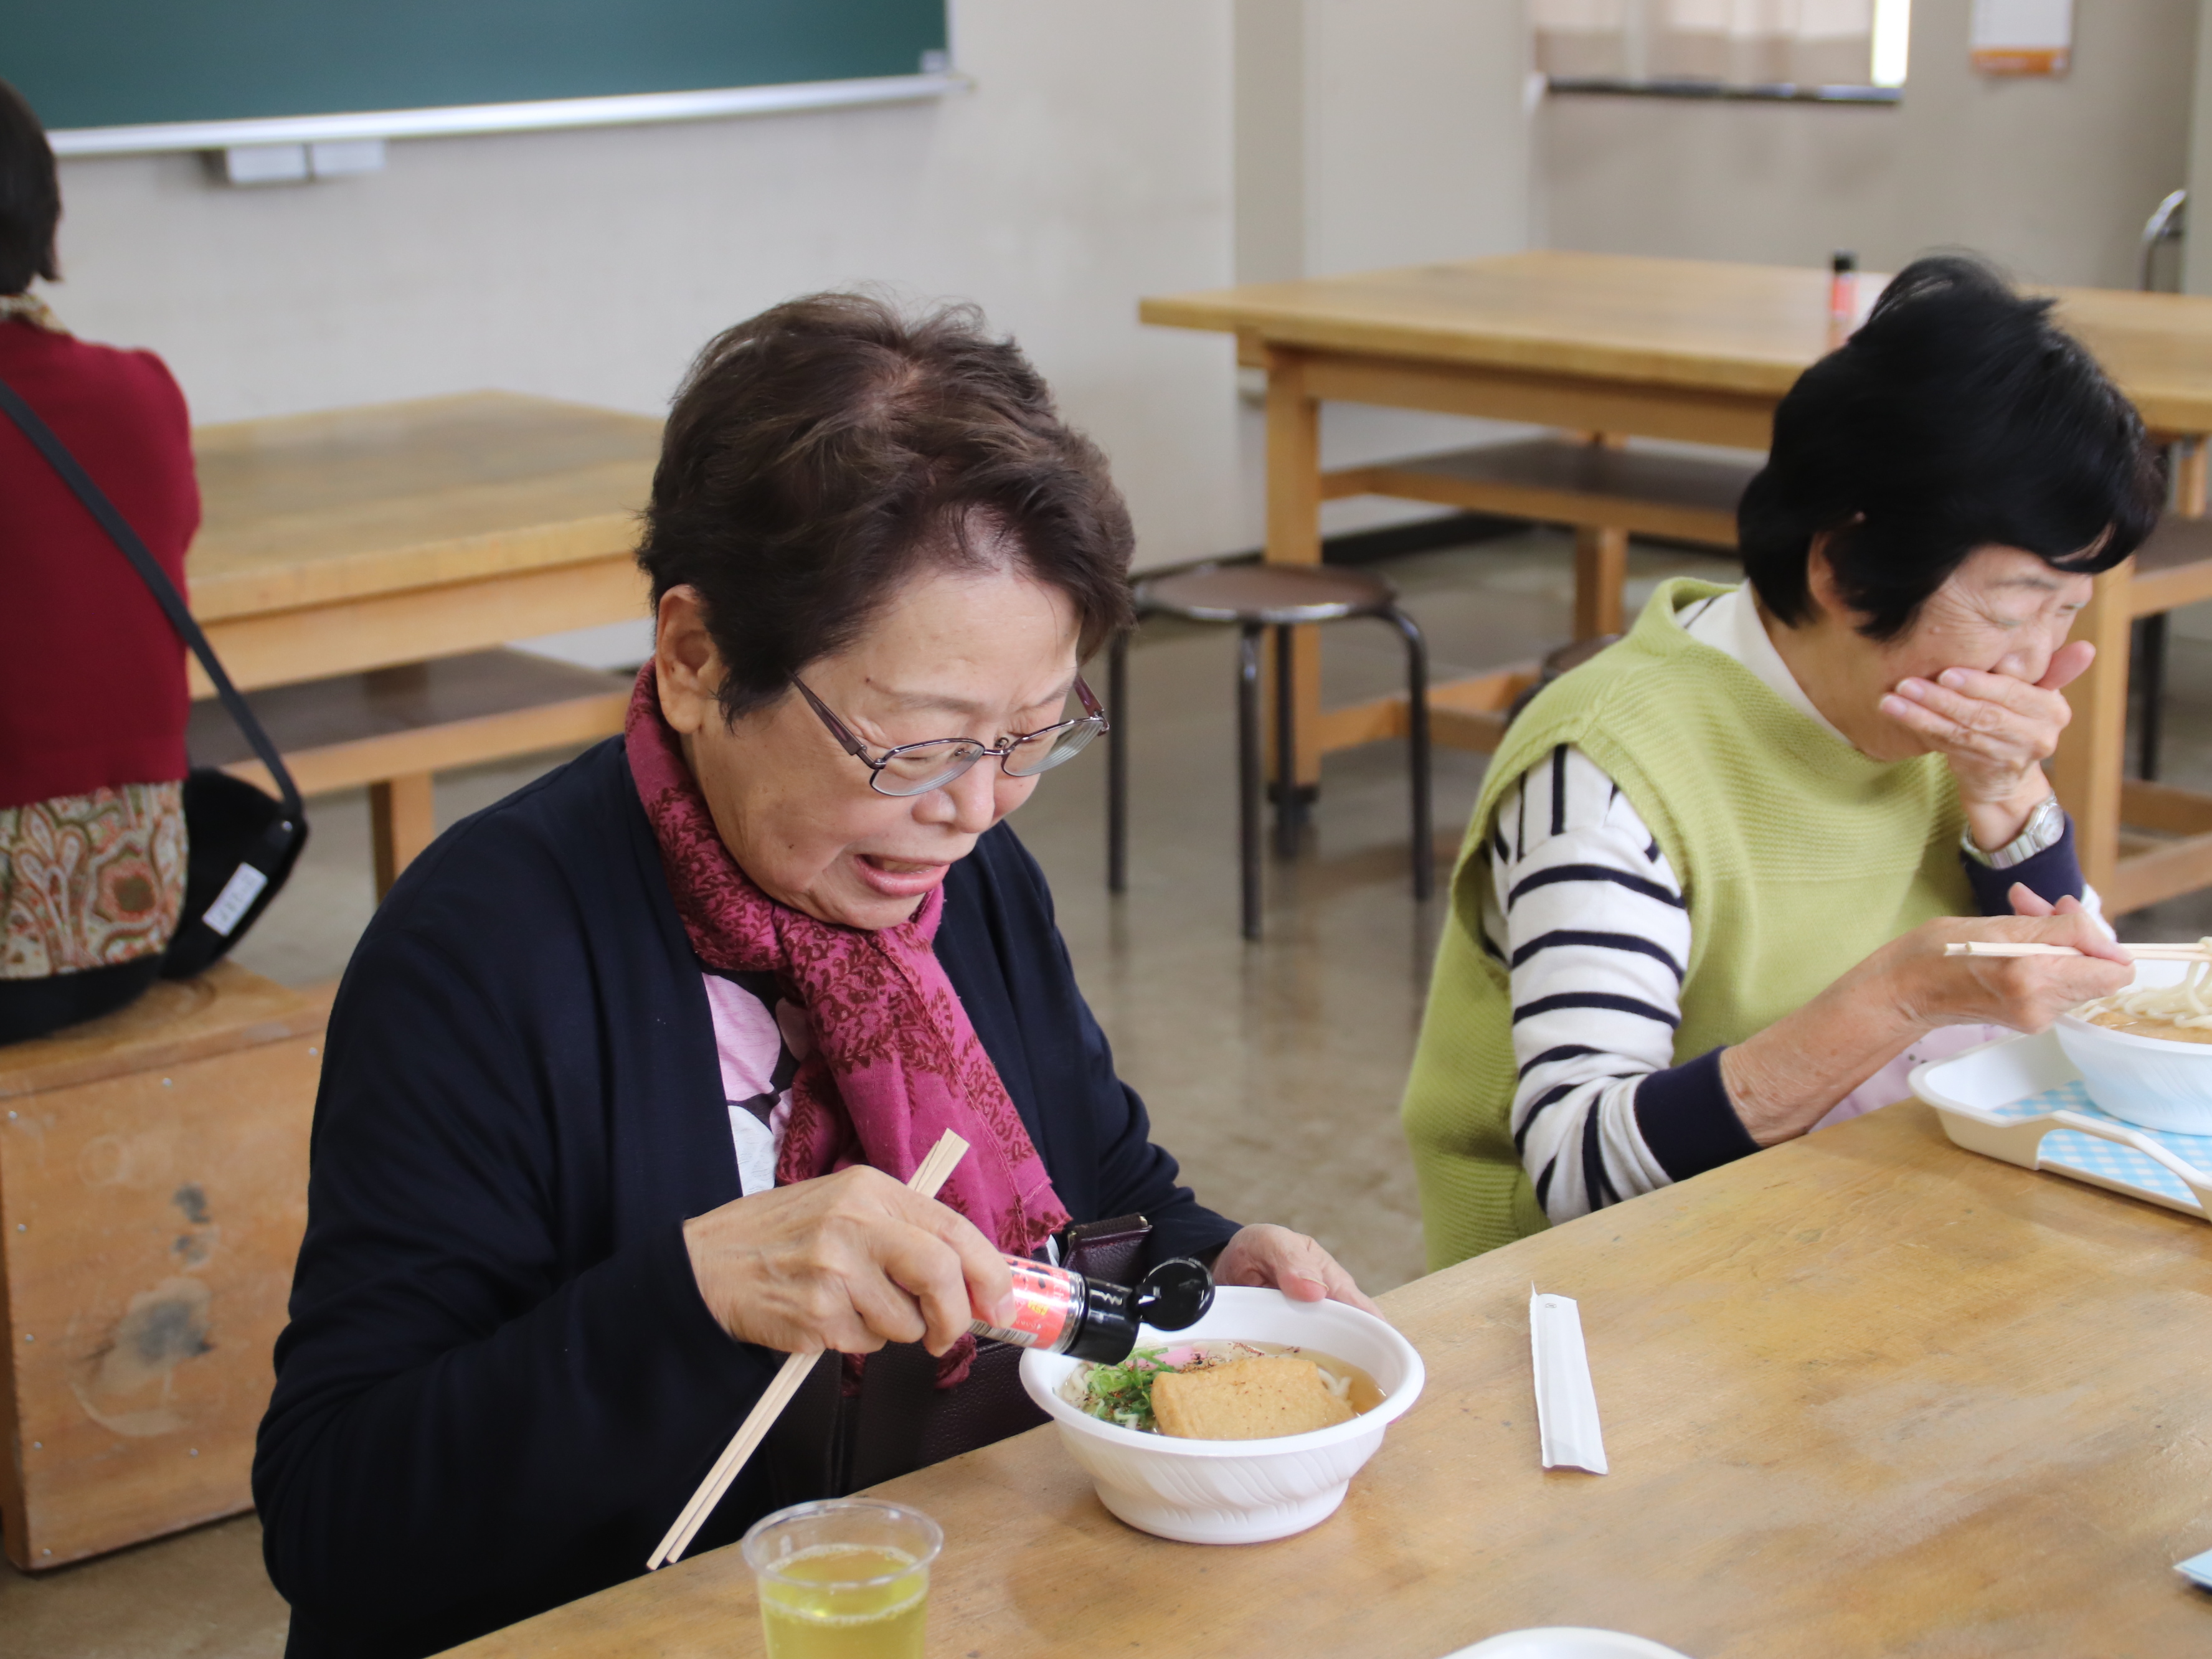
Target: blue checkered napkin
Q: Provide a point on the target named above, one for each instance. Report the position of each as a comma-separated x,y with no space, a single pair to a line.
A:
2066,1151
2197,1569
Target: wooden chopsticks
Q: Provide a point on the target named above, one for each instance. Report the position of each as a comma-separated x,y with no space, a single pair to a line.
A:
2141,952
944,1157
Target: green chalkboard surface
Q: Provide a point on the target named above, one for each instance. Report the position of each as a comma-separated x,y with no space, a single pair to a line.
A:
129,63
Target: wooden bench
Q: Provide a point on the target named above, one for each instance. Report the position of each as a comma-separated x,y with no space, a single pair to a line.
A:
153,1190
2172,568
392,729
1604,493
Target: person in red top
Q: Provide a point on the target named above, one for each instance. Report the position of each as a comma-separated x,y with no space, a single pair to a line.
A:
92,695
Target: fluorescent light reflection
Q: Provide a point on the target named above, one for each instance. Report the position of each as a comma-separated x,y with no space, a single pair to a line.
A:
1893,39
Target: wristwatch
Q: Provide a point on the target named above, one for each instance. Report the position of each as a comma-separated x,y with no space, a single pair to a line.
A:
2045,827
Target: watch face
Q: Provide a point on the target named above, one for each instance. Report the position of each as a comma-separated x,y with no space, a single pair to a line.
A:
2044,825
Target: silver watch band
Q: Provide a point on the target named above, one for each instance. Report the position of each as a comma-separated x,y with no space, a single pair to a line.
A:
2044,829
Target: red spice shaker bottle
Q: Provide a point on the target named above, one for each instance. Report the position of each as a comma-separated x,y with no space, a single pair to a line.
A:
1843,287
1063,1311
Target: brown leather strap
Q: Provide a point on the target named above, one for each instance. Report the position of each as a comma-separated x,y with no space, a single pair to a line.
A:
1113,1249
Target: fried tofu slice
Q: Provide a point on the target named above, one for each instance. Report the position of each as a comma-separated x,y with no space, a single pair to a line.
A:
1247,1400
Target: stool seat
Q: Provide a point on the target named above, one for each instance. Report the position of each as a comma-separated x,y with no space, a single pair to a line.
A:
1272,595
1256,598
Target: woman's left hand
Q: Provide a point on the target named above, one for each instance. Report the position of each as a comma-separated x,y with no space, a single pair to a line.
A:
1277,1258
1996,732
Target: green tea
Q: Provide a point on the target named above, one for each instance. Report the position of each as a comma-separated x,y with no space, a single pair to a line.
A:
813,1608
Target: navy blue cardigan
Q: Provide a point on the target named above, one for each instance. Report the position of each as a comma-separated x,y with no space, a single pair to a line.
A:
500,1384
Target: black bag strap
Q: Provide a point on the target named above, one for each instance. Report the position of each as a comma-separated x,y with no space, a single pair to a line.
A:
165,591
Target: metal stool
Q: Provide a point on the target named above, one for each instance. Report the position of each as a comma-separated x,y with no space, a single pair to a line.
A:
1256,597
2168,223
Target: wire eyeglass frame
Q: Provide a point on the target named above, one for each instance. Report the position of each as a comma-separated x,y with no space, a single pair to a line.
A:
1070,739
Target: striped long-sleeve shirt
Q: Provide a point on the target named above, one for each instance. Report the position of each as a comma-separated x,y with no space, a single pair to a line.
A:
1590,921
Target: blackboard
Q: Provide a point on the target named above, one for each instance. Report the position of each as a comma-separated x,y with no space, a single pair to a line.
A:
101,64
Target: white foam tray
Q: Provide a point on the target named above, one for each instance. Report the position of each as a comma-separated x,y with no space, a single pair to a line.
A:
2021,1100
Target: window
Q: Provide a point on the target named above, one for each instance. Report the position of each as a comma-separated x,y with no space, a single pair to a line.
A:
1824,51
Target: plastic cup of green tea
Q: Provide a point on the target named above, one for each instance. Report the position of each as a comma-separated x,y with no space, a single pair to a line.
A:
847,1578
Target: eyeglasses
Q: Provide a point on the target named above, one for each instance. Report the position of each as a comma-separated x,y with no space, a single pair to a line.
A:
915,769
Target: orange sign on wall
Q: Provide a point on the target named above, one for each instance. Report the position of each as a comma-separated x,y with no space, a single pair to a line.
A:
2023,37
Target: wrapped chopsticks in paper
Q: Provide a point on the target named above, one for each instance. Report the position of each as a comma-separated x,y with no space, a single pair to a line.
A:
2197,1569
1567,1404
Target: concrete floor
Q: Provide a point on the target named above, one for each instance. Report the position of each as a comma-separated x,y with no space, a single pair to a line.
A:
1271,1071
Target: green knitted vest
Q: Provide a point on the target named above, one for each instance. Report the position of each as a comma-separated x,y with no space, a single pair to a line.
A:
1798,857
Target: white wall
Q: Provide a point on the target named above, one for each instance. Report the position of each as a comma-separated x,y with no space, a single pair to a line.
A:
1417,141
2196,252
1374,133
2052,178
1091,166
1109,151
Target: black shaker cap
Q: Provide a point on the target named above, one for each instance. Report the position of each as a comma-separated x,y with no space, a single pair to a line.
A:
1176,1295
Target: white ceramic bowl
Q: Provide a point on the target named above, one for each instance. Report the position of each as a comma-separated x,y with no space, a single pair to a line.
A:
1238,1491
2153,1081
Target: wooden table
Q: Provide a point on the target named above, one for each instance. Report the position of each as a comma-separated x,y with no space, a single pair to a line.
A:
375,538
1864,1394
1618,347
363,538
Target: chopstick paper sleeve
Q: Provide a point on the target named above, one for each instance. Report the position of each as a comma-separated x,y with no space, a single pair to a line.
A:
1566,1405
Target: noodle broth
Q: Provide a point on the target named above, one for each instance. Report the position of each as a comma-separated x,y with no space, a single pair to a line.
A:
2180,1012
2112,1019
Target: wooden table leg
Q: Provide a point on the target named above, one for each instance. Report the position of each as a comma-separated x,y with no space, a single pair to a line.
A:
2191,456
1294,530
1601,571
1601,567
401,823
2085,770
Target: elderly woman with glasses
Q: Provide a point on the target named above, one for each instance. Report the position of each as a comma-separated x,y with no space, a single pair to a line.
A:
624,1079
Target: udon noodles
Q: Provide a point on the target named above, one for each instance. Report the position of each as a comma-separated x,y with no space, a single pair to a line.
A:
2180,1012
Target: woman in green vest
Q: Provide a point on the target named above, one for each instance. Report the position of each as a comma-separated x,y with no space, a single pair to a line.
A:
1703,903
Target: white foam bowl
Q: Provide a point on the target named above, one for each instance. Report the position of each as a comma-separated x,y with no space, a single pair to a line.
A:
1238,1491
2153,1081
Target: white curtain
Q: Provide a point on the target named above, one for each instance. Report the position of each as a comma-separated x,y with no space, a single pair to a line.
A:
1582,39
1740,42
1827,42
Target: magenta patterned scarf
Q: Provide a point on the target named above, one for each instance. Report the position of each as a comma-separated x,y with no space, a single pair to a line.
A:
895,1061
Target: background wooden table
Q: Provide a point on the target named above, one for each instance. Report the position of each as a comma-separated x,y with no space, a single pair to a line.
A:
370,562
362,537
1864,1394
1693,350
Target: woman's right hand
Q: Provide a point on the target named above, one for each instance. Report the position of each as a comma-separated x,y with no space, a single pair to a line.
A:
849,1262
1783,1079
2024,993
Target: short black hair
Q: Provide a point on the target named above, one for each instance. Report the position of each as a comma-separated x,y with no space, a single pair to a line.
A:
30,196
1960,416
823,452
